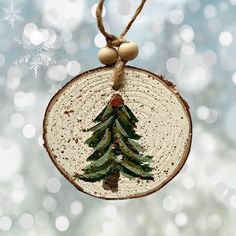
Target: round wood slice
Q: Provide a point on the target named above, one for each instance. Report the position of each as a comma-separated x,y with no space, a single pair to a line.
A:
164,123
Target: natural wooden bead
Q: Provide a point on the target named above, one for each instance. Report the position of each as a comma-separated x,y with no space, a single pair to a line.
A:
128,51
107,55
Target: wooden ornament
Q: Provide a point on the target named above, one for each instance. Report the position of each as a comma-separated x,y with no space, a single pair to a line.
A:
107,55
128,51
164,125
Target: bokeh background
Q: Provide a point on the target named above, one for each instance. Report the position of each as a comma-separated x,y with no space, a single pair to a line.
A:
44,43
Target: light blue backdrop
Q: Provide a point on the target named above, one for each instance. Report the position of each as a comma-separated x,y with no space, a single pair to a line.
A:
44,43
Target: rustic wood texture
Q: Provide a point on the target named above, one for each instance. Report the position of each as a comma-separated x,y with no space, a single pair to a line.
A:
164,123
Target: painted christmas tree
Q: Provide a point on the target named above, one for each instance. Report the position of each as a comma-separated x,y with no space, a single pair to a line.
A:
116,150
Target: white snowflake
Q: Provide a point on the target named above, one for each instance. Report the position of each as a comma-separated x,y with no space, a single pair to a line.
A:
12,13
36,56
54,88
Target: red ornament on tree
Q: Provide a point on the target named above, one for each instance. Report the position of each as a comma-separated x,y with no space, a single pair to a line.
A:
116,100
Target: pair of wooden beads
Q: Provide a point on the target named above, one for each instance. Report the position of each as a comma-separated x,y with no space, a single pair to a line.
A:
126,51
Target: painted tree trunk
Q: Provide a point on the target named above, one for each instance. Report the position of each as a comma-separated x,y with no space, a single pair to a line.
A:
111,182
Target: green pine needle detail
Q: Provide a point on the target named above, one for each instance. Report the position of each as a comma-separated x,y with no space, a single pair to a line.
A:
102,125
130,113
115,147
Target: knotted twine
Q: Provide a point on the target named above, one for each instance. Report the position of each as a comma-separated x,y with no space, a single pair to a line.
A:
114,41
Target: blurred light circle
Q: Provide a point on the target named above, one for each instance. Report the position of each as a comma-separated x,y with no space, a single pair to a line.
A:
57,73
20,99
66,35
110,211
160,17
228,193
26,221
230,155
140,218
201,224
6,143
14,71
209,11
172,3
73,68
188,182
220,188
171,230
124,7
36,38
29,29
234,77
210,57
49,204
212,116
214,221
17,120
233,201
61,72
224,6
62,223
187,33
232,2
70,48
203,112
5,223
29,131
76,208
194,5
173,65
10,161
52,36
188,49
41,218
14,75
152,230
209,144
194,76
45,34
53,185
181,219
148,49
7,128
225,38
100,41
63,13
169,203
157,27
230,128
31,99
17,181
13,82
2,59
94,8
176,16
18,195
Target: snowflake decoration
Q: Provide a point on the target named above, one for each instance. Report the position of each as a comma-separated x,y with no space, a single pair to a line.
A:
37,56
12,14
54,88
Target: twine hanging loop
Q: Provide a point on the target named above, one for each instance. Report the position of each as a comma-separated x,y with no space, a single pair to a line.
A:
114,41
